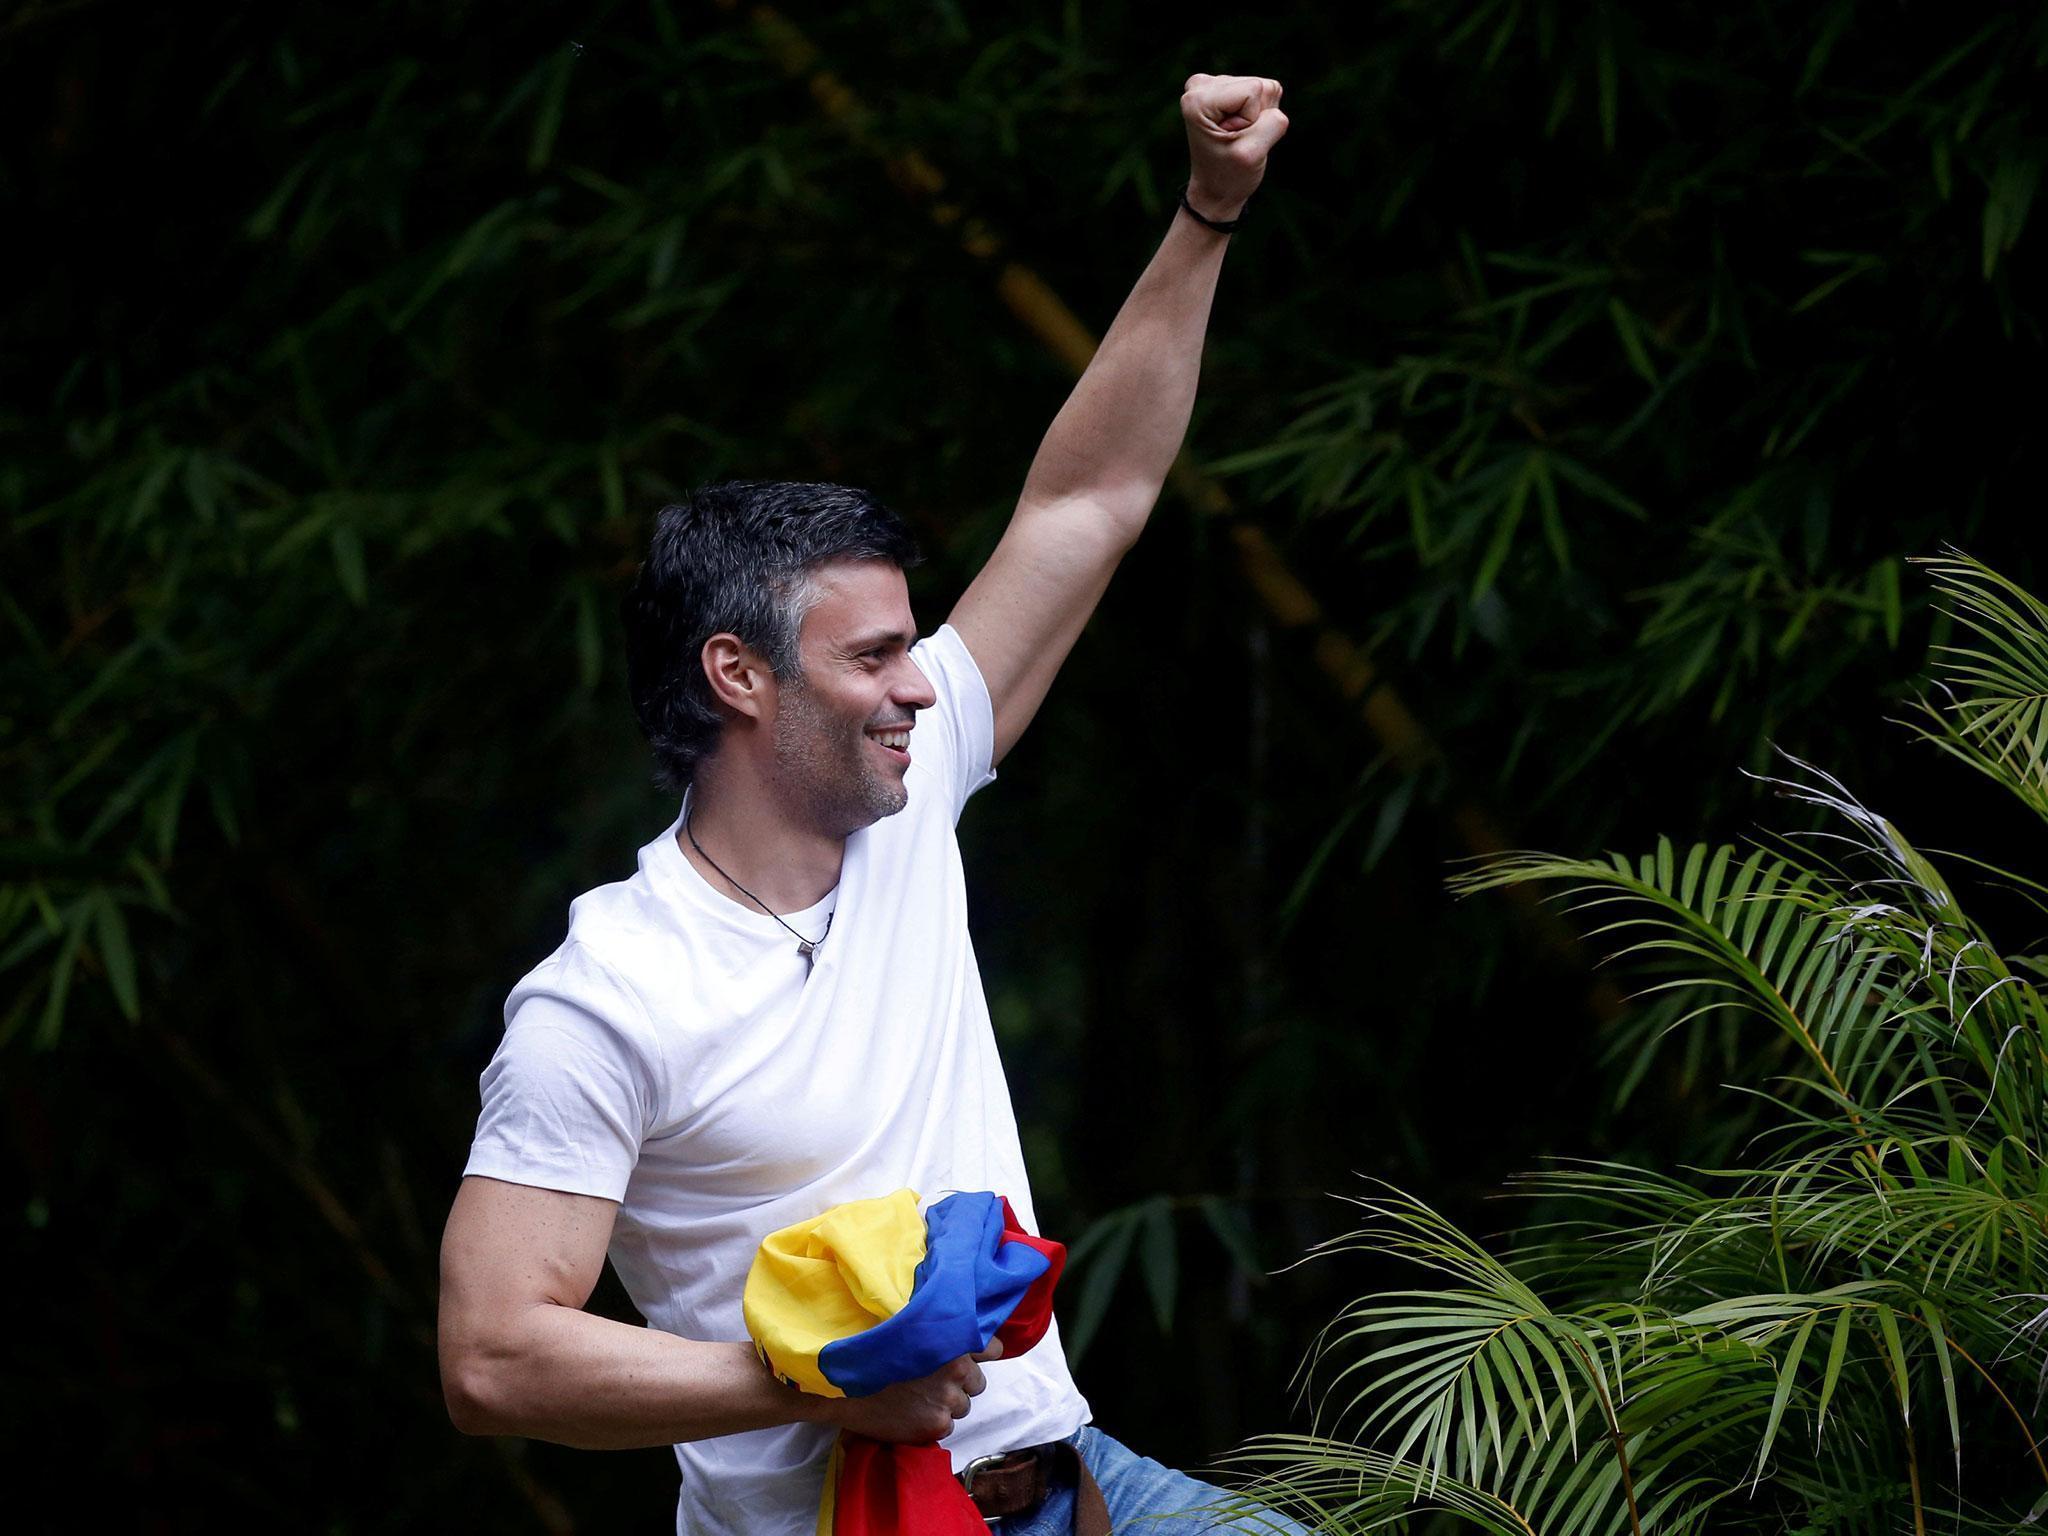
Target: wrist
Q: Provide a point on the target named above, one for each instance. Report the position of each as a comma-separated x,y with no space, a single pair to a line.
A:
807,1408
792,1404
1212,204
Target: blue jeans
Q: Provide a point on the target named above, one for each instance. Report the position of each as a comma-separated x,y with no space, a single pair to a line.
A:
1135,1488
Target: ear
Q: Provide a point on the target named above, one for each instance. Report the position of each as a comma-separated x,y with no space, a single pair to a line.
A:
739,678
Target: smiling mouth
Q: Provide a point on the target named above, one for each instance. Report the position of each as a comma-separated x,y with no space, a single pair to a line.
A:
894,742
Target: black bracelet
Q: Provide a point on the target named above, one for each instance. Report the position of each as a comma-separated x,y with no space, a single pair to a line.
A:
1221,226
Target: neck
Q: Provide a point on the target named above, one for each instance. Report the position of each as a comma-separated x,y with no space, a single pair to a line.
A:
788,864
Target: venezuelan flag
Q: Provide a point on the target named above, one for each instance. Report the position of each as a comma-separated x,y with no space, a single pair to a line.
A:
871,1293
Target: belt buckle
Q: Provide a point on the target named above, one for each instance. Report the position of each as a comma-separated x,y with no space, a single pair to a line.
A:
974,1468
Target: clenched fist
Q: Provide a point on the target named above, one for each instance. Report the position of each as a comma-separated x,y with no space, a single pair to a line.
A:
917,1411
1233,121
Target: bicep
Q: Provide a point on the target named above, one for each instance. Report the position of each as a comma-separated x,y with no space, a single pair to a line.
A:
510,1246
1022,614
509,1252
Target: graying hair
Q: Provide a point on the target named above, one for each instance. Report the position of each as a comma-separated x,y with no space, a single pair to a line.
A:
740,558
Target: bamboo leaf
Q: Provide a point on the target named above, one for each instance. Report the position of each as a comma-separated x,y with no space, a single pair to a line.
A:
1228,1222
1631,340
347,545
1160,1257
76,919
547,123
1503,533
1104,1268
116,954
2007,202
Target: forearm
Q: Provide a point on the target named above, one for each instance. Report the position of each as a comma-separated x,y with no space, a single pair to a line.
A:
1114,440
560,1374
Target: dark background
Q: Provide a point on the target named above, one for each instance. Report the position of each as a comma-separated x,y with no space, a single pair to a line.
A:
1595,370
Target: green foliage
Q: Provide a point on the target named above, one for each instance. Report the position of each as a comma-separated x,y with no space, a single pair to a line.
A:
1841,1332
1666,368
1147,1232
1595,368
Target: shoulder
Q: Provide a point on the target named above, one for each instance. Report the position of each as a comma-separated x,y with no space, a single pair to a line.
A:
620,946
955,676
954,740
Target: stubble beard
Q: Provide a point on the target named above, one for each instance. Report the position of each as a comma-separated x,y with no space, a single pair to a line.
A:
834,787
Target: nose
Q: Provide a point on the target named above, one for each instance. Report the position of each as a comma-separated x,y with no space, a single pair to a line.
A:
913,690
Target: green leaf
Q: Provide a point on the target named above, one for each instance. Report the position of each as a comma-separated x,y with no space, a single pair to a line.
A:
1832,27
1631,340
347,545
1852,266
1561,100
1415,488
149,493
1577,475
222,801
263,223
1888,1329
1787,1377
1160,1257
86,763
1387,824
1233,1231
167,804
1553,524
203,486
52,1024
1105,1266
116,954
1945,1366
1503,534
547,121
301,533
2006,204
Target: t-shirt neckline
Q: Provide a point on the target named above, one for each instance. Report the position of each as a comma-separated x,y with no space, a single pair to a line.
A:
707,895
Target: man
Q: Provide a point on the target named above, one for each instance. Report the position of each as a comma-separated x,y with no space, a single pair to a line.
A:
780,1011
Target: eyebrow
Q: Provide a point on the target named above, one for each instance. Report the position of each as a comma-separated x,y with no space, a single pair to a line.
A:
869,641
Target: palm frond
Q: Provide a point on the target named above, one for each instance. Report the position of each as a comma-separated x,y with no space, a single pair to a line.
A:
1817,1335
1994,714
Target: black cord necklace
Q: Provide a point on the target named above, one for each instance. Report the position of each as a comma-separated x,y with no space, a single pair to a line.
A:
804,946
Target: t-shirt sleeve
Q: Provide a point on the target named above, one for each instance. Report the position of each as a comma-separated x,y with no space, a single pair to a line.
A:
570,1094
956,737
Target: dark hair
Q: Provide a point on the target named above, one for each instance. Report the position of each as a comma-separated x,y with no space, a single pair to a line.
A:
735,558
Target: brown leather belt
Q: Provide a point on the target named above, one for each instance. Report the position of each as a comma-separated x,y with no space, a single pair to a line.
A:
1016,1483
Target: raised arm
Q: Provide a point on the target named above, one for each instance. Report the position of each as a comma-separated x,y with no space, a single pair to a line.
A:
1105,457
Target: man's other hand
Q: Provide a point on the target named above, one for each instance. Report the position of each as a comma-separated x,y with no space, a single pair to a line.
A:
1233,121
920,1411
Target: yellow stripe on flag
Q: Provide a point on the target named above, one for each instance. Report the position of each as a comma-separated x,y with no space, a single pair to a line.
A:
828,1505
829,1278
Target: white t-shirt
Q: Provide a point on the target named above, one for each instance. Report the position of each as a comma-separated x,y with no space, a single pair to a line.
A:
676,1054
